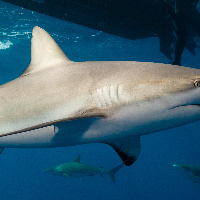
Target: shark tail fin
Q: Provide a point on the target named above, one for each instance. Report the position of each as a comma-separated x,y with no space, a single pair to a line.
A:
113,171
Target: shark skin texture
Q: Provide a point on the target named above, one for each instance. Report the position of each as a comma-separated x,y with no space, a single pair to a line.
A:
77,169
58,103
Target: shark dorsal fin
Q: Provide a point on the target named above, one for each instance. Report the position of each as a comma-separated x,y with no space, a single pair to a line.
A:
44,51
77,159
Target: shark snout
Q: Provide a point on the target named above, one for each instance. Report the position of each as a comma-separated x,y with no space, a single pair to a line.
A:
46,170
176,166
49,171
182,167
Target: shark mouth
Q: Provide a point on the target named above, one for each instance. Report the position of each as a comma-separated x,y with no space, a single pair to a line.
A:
184,105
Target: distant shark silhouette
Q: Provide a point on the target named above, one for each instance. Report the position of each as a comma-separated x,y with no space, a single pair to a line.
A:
77,169
191,171
57,102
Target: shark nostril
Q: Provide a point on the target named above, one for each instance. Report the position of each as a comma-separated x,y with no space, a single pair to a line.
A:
197,82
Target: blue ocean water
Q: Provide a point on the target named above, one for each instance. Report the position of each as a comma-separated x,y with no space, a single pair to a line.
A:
151,177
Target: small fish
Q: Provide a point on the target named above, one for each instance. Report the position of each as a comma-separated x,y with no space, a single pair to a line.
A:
78,169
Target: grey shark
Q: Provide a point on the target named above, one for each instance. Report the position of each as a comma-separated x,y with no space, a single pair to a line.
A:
57,102
78,169
191,171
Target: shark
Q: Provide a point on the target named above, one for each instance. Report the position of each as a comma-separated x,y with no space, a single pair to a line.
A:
77,169
191,171
57,102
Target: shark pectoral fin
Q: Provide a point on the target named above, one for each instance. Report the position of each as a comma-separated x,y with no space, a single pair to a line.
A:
127,148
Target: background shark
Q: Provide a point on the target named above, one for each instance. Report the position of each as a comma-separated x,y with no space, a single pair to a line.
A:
77,169
191,171
58,102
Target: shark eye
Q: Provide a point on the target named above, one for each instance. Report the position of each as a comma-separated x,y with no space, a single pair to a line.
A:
197,83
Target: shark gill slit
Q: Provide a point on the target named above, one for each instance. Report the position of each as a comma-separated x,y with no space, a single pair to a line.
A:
107,96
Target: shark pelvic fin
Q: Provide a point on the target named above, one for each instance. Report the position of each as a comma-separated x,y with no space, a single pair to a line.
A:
44,51
77,159
128,149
